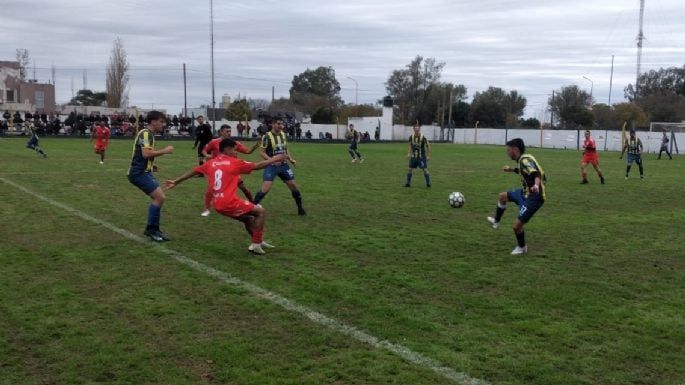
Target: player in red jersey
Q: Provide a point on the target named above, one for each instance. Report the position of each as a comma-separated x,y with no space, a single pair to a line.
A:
211,151
101,135
223,175
590,156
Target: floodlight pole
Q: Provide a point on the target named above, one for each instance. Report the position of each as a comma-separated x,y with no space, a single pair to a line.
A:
592,86
211,45
356,91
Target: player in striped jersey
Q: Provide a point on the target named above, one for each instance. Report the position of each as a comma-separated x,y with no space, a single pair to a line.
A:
530,198
419,154
634,147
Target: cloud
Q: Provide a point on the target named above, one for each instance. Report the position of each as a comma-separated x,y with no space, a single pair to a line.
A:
534,46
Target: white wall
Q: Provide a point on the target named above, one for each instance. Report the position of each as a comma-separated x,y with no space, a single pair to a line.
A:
567,139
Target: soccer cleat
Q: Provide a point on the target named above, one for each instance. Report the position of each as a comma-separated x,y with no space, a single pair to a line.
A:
361,160
267,245
407,185
519,250
584,181
154,235
161,234
493,222
354,160
601,179
101,162
205,213
256,249
301,211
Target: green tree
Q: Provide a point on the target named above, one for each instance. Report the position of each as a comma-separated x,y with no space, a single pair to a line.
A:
663,107
664,81
239,110
88,98
497,108
605,116
409,87
631,113
570,107
315,89
324,115
529,123
117,76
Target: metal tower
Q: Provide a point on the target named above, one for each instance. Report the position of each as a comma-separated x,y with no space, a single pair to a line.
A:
640,39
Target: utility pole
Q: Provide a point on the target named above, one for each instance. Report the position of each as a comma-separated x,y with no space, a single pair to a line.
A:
85,79
611,79
449,114
640,39
273,93
185,93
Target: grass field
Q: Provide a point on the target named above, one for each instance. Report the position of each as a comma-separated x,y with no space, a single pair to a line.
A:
599,299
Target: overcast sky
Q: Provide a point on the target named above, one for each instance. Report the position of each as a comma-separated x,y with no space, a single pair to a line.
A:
533,46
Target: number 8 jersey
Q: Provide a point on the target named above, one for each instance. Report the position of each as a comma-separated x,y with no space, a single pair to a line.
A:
223,175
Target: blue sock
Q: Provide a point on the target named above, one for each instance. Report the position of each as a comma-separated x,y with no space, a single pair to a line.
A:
409,178
258,198
153,215
521,239
499,212
428,179
298,198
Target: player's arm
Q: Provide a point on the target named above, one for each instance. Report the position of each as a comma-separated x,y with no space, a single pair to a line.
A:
151,153
169,184
198,134
428,150
506,168
538,179
274,159
410,149
623,151
92,134
639,143
290,157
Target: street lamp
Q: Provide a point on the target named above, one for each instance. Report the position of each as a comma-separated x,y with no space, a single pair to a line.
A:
211,49
592,86
356,91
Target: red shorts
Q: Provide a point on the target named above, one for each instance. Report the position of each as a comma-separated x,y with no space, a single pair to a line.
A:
234,208
100,147
591,158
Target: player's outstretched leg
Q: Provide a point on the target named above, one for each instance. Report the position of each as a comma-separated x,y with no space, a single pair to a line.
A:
266,186
599,173
209,196
499,211
359,156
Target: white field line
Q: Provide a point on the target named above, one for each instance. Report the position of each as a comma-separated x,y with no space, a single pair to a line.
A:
288,304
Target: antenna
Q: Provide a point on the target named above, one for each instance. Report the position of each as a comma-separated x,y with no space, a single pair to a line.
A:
85,79
640,39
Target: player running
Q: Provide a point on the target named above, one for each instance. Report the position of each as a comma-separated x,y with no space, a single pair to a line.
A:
140,172
419,154
101,134
274,143
590,156
33,141
529,199
354,137
212,151
223,175
634,147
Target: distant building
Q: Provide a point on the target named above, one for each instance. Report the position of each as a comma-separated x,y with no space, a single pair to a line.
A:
24,96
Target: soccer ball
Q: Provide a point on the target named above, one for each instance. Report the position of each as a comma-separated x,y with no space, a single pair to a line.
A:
456,199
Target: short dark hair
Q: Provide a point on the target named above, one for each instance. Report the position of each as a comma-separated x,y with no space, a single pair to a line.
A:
154,115
276,119
200,116
518,143
228,142
224,126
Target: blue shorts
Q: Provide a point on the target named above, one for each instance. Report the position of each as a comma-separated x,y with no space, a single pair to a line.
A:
527,206
421,163
283,171
353,146
145,181
33,142
634,158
